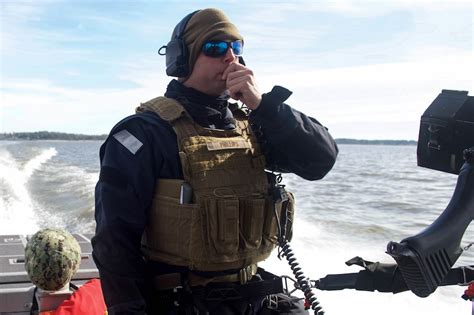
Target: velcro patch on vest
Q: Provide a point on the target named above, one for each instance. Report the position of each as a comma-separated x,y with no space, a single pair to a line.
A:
128,140
228,144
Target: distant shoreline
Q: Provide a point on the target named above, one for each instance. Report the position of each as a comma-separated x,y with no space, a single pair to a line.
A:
376,142
48,135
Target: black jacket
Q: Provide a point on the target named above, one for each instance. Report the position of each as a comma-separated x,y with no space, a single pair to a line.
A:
291,141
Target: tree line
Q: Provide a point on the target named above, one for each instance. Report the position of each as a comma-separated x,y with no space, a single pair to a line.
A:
48,135
381,142
51,135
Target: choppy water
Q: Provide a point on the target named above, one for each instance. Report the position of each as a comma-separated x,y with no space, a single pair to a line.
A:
48,183
373,195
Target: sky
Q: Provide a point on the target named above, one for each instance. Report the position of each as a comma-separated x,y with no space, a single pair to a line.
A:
364,69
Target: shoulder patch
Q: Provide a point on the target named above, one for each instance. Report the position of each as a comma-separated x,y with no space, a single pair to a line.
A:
128,140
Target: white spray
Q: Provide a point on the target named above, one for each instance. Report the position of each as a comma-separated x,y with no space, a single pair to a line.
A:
17,213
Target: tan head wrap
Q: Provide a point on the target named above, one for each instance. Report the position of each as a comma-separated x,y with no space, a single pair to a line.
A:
207,24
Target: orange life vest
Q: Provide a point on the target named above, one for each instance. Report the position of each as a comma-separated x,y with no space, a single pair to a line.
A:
87,300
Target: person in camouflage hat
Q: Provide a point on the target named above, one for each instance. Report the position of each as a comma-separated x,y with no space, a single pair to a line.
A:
52,257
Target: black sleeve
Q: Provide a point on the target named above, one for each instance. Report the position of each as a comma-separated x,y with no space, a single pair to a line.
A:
291,141
122,195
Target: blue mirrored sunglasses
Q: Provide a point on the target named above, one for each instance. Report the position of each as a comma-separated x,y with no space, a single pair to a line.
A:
218,48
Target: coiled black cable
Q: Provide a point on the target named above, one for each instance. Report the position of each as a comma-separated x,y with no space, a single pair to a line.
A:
301,280
280,195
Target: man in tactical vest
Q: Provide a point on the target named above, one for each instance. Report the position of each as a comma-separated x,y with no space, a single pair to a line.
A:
188,202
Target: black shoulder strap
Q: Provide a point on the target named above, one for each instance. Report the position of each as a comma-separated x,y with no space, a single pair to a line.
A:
460,275
34,303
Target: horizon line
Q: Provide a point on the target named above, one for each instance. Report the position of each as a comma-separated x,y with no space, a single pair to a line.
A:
106,134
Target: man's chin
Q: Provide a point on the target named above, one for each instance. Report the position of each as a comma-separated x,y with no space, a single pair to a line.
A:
219,89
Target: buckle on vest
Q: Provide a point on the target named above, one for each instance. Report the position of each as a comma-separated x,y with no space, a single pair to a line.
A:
167,281
245,274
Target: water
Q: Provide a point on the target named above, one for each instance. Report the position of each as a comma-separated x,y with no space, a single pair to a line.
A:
373,195
48,183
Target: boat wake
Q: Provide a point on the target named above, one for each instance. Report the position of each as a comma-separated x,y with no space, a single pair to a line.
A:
17,209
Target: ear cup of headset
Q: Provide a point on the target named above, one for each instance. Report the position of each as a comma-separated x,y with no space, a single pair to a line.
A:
176,51
177,58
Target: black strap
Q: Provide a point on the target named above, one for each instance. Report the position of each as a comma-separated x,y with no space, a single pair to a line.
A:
270,284
227,296
460,275
384,278
34,303
181,27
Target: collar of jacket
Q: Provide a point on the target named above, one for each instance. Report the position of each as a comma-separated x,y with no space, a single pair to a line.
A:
207,111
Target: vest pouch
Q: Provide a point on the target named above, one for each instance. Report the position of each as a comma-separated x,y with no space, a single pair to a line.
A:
270,227
170,230
290,216
252,218
270,230
222,219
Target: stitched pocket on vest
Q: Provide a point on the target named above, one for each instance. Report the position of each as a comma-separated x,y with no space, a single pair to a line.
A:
222,218
170,226
251,222
270,228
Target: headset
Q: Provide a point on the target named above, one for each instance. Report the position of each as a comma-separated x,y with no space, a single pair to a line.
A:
177,55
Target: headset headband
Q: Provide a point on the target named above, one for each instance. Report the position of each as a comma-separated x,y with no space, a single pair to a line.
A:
182,25
177,64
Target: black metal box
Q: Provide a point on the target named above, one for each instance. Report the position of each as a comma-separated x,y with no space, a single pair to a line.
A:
446,129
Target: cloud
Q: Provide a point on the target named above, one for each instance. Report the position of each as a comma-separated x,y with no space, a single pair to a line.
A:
348,100
17,19
360,8
42,105
396,93
78,32
351,87
301,33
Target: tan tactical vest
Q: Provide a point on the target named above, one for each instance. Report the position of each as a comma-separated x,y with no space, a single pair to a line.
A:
230,222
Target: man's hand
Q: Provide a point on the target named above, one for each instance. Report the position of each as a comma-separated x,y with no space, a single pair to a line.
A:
241,85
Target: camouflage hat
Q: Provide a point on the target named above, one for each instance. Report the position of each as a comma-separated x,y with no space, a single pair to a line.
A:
52,257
